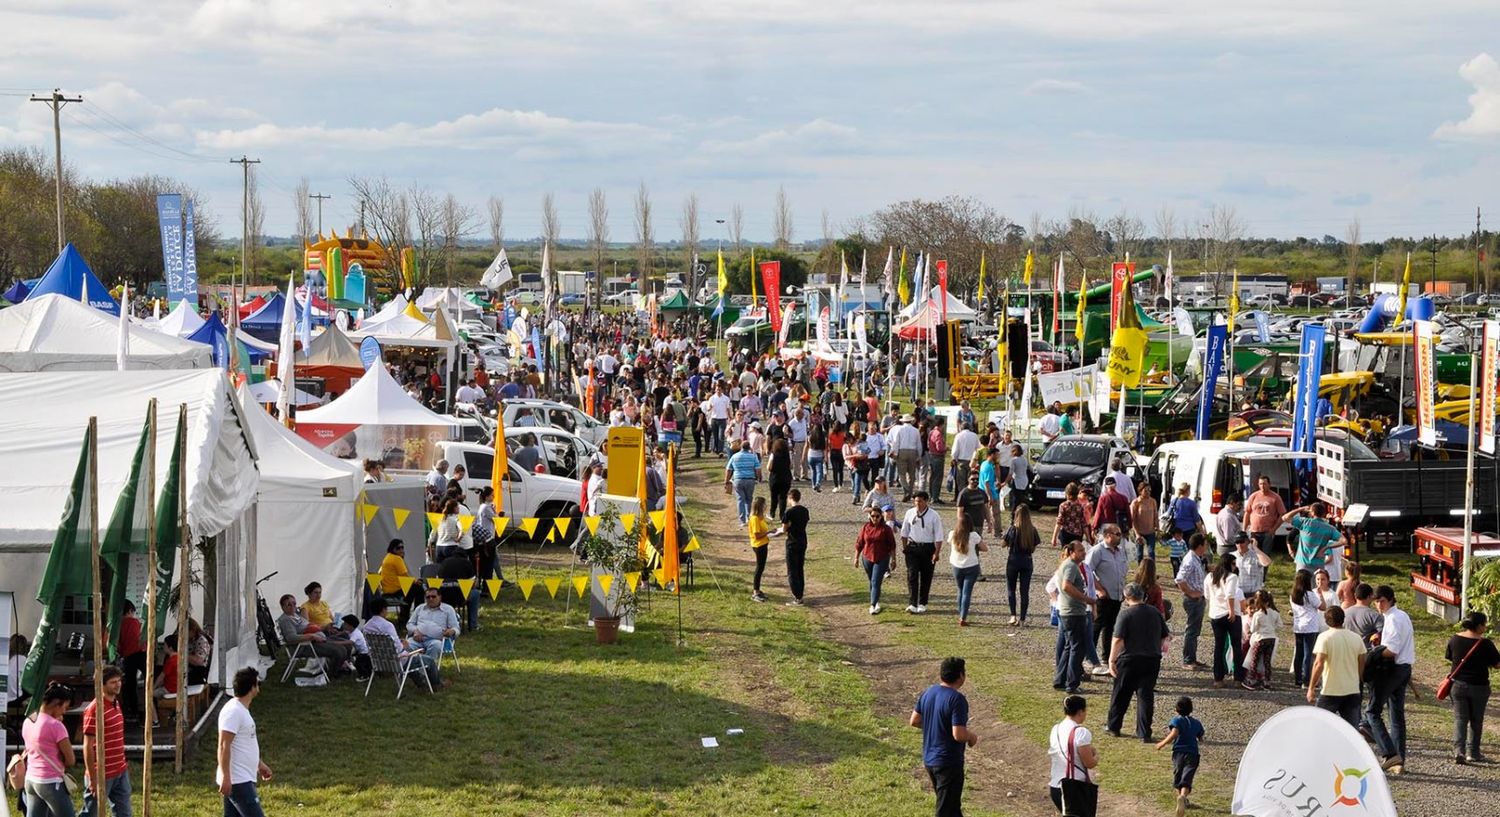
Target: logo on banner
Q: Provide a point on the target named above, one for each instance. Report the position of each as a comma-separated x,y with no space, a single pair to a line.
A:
770,274
1341,795
1489,389
369,352
1119,279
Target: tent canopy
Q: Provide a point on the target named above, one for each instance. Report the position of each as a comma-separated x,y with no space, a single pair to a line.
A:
17,292
957,310
216,336
182,321
71,277
268,317
450,297
377,399
395,325
332,348
56,333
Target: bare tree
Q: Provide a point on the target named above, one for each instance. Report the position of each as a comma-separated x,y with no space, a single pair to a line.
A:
1125,232
1352,248
1081,239
643,235
690,238
957,229
302,206
497,223
457,223
598,238
1224,231
781,220
388,220
737,226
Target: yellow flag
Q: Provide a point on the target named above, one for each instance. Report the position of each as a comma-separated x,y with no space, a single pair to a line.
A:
661,577
368,511
902,287
434,519
500,464
592,522
1234,300
692,544
723,276
1026,271
1127,352
399,516
529,525
632,580
581,584
1405,288
562,523
1083,299
526,586
980,296
606,581
434,583
373,580
406,583
465,586
552,585
465,521
494,586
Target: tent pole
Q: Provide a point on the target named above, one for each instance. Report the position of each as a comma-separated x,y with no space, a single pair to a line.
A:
184,591
150,608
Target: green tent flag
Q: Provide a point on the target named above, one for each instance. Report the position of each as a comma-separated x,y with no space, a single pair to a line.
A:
168,528
68,573
126,534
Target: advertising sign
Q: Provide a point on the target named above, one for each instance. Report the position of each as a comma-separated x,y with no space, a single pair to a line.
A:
169,218
1119,279
1489,370
1309,376
1308,761
1213,364
1425,383
770,273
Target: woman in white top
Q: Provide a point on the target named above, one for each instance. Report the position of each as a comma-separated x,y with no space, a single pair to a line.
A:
964,548
1224,602
1327,594
1264,624
446,536
1307,618
1071,750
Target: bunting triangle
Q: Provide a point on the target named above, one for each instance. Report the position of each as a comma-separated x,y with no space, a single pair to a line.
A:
406,583
551,535
465,586
581,584
434,519
562,523
373,580
526,586
632,580
552,585
434,583
627,520
661,577
501,522
368,511
592,522
692,544
658,519
465,521
494,586
529,525
606,581
399,516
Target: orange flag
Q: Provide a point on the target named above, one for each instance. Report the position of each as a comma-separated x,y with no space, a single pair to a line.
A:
645,514
500,469
669,530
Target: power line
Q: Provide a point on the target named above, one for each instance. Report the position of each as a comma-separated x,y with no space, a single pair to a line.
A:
119,123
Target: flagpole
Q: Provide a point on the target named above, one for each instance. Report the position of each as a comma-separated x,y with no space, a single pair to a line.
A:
150,606
184,591
1463,597
101,719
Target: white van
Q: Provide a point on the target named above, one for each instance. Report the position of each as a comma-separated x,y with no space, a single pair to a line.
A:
1218,469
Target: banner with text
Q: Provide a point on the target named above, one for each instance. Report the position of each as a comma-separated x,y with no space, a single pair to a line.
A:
1308,761
1425,382
1489,389
770,275
1119,280
169,219
1309,377
1213,363
1068,386
189,255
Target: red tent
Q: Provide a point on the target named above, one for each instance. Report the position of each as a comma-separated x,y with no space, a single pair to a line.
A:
246,310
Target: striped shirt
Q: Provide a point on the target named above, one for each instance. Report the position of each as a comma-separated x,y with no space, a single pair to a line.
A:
114,736
743,465
1192,573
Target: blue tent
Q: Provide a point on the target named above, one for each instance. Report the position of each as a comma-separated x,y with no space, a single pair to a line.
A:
265,323
213,333
71,277
17,292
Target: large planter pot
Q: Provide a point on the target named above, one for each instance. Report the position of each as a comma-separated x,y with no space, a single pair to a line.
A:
607,630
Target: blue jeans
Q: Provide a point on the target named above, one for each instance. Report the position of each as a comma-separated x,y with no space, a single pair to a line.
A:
716,434
1390,688
48,800
243,801
1192,610
1302,657
1091,653
1147,548
857,484
815,465
473,605
877,572
965,577
116,791
1073,640
744,492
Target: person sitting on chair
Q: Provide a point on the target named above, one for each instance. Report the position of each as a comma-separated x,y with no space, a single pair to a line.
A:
431,623
349,626
377,625
455,567
294,628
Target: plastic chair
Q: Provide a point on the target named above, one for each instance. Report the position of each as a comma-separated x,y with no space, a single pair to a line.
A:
303,651
386,657
450,648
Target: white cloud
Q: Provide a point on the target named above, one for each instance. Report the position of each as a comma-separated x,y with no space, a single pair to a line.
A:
1483,72
817,136
1056,87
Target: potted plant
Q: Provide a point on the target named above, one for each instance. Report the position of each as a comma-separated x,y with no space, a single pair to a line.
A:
613,549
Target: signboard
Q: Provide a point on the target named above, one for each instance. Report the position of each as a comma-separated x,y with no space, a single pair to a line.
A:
169,219
1426,382
627,450
369,352
1068,386
1308,761
1119,280
1489,389
189,256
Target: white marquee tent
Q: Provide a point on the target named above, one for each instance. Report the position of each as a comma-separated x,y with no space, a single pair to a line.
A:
46,415
182,321
450,298
55,333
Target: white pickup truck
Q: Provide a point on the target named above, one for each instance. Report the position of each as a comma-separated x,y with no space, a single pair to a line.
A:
527,494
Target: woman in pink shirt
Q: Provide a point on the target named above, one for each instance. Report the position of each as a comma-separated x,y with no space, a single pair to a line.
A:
49,755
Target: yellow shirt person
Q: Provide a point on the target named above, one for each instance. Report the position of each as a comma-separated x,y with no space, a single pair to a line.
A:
760,537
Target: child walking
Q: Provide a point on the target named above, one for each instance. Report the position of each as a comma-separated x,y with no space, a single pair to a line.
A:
760,541
1176,549
1264,623
1183,733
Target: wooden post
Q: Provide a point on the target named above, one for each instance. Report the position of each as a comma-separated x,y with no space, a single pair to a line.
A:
185,586
100,721
150,606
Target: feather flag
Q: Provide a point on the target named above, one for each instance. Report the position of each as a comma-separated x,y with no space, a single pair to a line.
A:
1405,288
919,274
669,551
903,289
1083,299
1234,301
723,286
1167,283
122,350
1026,272
889,273
499,463
285,353
1127,350
980,296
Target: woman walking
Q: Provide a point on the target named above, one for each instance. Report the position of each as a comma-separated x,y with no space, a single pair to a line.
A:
876,543
816,456
1072,518
1224,608
1021,541
964,547
1306,621
1265,622
49,755
836,439
857,454
760,541
447,535
1145,576
1473,656
779,476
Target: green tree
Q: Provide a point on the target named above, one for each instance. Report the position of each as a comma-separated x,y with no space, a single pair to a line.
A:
793,270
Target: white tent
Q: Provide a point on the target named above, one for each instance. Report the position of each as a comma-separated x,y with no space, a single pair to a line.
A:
306,527
46,415
269,392
377,399
55,333
451,298
957,310
181,322
403,327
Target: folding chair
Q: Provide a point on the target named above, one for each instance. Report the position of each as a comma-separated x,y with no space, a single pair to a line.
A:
386,657
303,651
450,648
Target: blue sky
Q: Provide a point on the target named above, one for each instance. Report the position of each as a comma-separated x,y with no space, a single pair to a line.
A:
1301,115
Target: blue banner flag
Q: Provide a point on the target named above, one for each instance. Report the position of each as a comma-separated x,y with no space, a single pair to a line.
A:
169,217
369,352
189,255
1213,364
1262,327
1309,376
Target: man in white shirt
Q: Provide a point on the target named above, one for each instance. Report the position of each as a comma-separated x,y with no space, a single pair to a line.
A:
797,432
240,766
906,445
1123,483
1398,649
965,445
469,393
921,535
1051,426
437,478
607,364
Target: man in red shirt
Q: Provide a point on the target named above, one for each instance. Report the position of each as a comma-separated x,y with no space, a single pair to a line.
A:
1113,508
132,661
1263,512
116,773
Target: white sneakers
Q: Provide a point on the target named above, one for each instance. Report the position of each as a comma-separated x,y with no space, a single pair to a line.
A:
921,608
874,609
912,608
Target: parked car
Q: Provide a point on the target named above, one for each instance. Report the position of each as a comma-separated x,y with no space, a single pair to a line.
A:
526,494
544,413
563,454
1080,458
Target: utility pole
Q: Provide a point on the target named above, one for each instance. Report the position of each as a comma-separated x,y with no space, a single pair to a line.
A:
361,218
1477,251
244,164
320,198
56,101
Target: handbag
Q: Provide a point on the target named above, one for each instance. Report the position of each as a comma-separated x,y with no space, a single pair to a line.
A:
1080,798
1445,688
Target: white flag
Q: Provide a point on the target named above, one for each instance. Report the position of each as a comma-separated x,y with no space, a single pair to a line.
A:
498,273
1167,286
286,353
122,352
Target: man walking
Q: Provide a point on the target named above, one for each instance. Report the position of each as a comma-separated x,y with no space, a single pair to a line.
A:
1073,606
1190,578
1140,640
1338,661
921,534
942,713
116,786
718,418
936,457
741,473
1109,564
1398,649
906,442
965,446
240,766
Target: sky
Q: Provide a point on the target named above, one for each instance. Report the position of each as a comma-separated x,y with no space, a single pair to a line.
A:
1303,116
